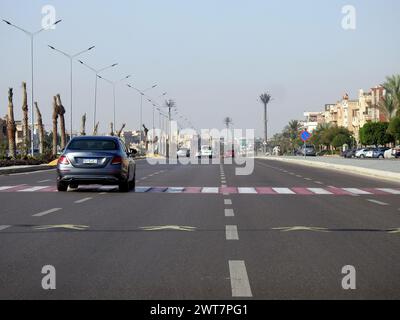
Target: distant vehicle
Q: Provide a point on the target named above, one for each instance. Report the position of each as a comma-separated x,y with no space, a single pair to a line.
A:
205,151
378,153
183,152
361,153
351,153
96,160
229,154
308,150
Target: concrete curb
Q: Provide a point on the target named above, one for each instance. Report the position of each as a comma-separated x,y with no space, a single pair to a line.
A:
381,174
22,169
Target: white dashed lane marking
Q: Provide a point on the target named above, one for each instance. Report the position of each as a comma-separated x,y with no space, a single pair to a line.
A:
356,191
33,189
283,190
4,227
43,213
83,200
231,233
319,191
378,202
229,213
227,201
239,280
388,190
42,181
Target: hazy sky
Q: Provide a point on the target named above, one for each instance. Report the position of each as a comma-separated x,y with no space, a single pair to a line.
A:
213,57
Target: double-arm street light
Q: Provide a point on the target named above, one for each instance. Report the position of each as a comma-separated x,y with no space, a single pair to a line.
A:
142,93
114,83
97,72
32,37
71,58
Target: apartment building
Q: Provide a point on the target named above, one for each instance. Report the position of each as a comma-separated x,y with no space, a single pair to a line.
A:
348,113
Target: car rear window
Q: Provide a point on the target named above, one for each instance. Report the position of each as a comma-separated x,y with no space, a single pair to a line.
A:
95,144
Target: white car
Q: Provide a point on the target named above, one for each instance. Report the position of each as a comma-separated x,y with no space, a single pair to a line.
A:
362,153
205,151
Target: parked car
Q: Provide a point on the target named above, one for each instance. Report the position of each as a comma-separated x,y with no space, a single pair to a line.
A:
351,153
361,153
96,160
307,150
183,152
378,153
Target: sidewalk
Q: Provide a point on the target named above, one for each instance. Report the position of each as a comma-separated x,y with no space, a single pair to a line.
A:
388,169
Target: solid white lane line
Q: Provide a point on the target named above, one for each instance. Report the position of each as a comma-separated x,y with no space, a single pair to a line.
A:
283,190
83,200
43,213
356,191
378,202
319,191
247,190
33,189
41,181
229,213
239,280
4,227
389,190
231,233
227,201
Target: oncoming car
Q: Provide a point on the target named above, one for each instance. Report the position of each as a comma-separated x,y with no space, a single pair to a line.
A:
96,160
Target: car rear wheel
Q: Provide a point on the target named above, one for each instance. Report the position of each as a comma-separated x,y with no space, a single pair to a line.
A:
124,186
132,184
62,186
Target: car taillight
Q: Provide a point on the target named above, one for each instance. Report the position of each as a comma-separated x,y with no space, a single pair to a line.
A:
63,160
116,160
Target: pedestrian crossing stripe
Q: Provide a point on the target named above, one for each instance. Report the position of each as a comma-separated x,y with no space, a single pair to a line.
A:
278,190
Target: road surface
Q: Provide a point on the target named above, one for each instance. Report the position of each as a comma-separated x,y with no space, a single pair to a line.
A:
283,232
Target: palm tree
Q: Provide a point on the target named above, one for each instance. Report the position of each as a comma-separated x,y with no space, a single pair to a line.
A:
392,86
61,112
111,129
25,128
387,105
95,129
265,99
55,125
41,129
11,126
294,127
120,130
83,125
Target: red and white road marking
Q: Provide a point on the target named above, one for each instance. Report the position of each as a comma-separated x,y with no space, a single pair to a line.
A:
302,191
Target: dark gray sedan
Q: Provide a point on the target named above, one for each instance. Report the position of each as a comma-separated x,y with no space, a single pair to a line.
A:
96,160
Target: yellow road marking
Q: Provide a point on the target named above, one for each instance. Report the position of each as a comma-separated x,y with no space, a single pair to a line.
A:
171,227
62,226
301,228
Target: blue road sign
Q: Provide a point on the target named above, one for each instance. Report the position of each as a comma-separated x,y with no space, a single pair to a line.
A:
305,135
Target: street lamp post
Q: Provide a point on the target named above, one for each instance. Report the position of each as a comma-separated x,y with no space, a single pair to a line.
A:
71,57
114,83
32,37
142,93
97,72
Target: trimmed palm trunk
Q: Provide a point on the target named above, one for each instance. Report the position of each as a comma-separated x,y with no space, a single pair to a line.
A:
11,126
61,112
120,131
41,129
25,127
55,120
111,129
83,125
96,128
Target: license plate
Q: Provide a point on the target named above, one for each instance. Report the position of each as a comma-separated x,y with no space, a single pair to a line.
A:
89,161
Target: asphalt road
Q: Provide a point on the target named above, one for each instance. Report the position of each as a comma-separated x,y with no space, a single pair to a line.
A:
283,232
